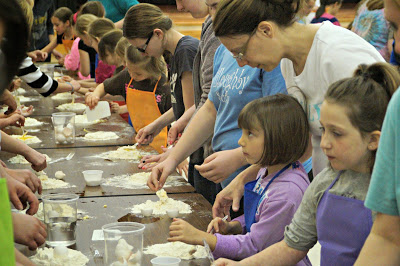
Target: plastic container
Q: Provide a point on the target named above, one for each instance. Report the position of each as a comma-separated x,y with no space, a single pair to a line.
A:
92,177
165,261
173,213
146,212
60,215
64,127
123,242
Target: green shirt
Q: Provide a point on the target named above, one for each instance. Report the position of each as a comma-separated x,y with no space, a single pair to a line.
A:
7,257
384,192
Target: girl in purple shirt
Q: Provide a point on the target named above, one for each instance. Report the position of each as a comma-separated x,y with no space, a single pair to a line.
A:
274,135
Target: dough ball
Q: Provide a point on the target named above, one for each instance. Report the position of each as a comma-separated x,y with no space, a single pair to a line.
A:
59,175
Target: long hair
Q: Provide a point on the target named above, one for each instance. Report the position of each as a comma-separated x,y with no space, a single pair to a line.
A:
14,44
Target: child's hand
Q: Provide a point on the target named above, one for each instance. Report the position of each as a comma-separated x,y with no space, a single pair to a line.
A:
15,120
91,100
26,111
114,107
217,225
61,60
181,230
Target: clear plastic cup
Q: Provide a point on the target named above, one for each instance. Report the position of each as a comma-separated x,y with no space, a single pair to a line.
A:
165,261
123,243
60,215
92,177
64,127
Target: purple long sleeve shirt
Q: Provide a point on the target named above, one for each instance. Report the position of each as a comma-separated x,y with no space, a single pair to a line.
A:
274,212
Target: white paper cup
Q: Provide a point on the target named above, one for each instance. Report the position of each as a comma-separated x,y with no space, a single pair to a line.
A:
165,261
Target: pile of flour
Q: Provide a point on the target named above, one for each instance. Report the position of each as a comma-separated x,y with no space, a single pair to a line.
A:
101,135
160,207
83,121
28,139
23,99
138,181
177,249
20,91
32,122
51,183
19,159
62,96
72,107
45,257
125,153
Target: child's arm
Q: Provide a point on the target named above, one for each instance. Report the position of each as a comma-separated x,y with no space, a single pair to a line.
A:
88,83
13,120
12,145
187,89
181,230
84,67
51,46
20,259
92,98
382,246
278,254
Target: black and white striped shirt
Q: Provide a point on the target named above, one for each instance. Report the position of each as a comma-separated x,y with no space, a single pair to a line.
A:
35,78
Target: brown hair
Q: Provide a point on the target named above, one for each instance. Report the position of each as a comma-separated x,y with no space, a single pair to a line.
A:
63,14
121,47
83,22
93,7
108,42
28,12
285,126
235,17
366,96
152,65
99,27
142,19
322,7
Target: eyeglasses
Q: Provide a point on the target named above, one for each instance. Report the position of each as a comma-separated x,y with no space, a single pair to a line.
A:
143,49
240,55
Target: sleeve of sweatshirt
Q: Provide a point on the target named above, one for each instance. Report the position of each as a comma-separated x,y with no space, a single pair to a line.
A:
274,216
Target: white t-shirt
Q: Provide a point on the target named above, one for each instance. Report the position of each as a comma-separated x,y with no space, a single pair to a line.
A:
335,53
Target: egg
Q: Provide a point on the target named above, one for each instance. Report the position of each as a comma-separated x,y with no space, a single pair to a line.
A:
60,251
67,132
60,138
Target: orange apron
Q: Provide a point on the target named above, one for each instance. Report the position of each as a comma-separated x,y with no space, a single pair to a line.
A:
143,110
68,43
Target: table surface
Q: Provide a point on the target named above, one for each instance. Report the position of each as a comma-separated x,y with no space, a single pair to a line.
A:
89,159
118,209
115,123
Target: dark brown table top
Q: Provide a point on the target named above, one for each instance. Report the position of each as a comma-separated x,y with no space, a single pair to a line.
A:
118,209
88,159
45,133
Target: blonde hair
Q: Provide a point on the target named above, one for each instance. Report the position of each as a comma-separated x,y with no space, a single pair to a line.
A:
28,13
152,65
122,45
83,22
99,27
142,19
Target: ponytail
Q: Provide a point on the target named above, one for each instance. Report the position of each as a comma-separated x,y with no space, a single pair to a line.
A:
366,95
320,11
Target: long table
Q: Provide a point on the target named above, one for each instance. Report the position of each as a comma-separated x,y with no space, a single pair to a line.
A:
104,210
45,133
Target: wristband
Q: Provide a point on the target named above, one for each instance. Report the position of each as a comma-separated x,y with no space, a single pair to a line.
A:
72,87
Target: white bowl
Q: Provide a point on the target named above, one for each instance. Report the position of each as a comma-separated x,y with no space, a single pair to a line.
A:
173,213
147,212
92,177
165,261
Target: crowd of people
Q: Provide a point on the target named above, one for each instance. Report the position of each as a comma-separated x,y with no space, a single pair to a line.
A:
296,116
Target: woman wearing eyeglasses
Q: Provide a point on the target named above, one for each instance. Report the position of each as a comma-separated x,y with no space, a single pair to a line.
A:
151,32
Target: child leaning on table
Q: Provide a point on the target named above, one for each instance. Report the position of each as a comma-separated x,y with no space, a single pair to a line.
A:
144,71
274,135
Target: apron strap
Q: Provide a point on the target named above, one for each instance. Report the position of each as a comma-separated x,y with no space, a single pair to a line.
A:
155,87
275,176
